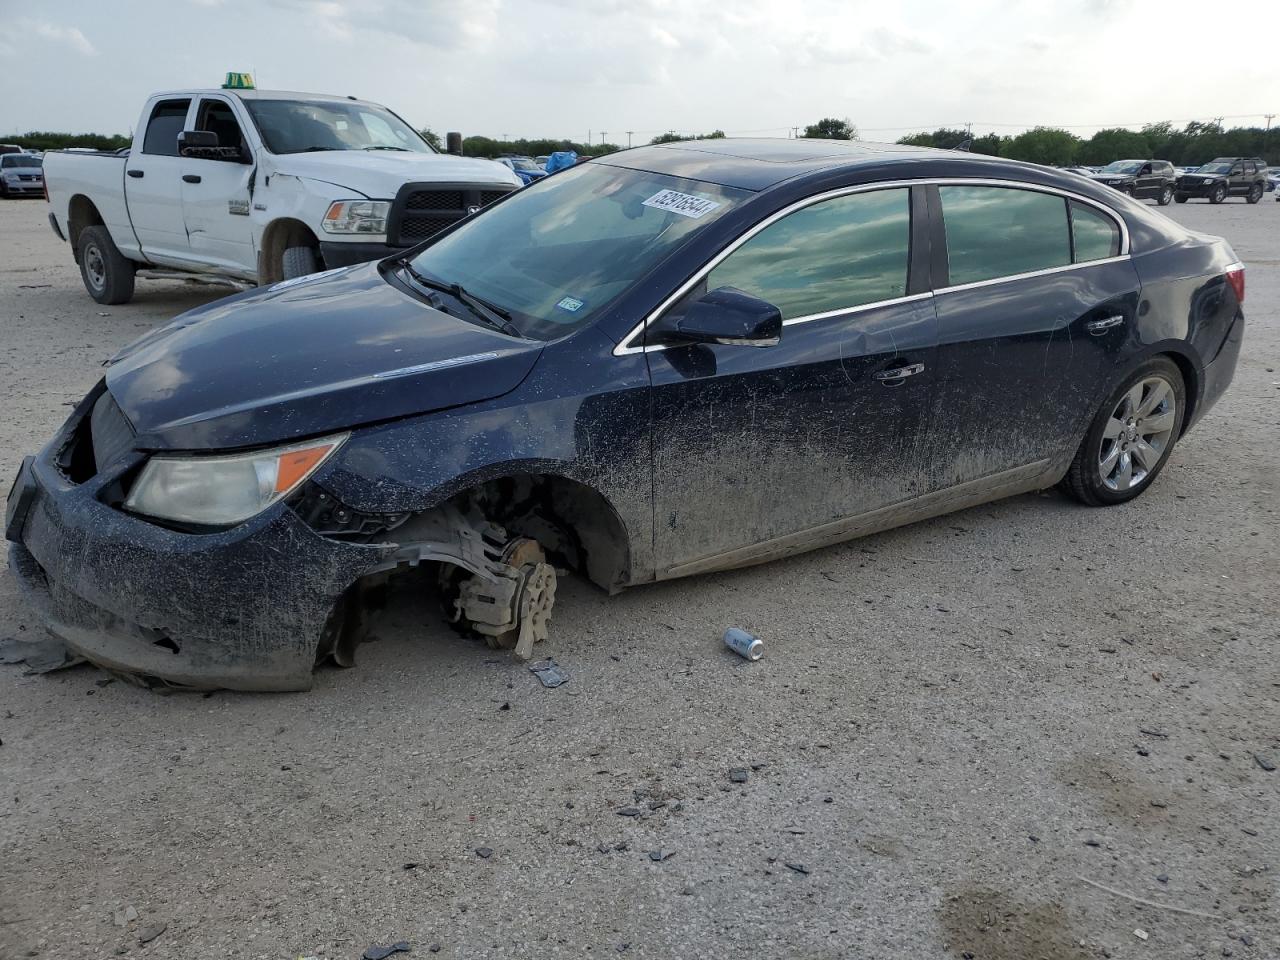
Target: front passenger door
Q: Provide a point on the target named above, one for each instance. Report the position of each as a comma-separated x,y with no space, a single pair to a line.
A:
763,451
216,193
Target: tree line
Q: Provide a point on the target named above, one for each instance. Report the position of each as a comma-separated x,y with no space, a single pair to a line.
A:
1194,144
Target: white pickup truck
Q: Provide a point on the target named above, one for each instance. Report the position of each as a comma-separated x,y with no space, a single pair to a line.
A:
256,186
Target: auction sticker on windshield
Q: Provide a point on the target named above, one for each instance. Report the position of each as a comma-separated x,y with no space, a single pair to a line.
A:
685,204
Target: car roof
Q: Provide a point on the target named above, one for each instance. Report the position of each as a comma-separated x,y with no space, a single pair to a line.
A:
264,95
758,163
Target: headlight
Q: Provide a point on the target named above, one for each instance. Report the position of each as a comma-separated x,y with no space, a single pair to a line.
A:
220,491
357,216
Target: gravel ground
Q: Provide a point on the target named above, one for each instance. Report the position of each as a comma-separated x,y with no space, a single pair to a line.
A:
955,725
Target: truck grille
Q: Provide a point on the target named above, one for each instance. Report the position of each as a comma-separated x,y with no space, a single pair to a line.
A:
421,210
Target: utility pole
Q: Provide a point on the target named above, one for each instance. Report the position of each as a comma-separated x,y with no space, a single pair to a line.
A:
629,133
603,134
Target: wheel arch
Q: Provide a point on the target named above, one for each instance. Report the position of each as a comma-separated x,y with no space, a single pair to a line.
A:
278,236
81,213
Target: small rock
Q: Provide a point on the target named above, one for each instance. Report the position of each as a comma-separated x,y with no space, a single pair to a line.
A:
505,706
484,853
739,775
410,866
1264,762
1092,843
1140,934
434,948
657,856
147,934
628,812
1163,878
799,868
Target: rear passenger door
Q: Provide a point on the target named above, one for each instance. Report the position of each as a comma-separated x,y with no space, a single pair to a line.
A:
153,184
1035,303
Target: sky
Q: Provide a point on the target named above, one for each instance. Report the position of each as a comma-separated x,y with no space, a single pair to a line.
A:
564,68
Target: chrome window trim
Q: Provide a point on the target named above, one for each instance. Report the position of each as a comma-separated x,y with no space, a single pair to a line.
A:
626,348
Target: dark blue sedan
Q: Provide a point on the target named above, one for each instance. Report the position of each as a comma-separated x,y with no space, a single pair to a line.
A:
671,360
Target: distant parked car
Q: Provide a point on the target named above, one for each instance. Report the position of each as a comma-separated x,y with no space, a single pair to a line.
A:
542,160
21,175
1141,179
1273,181
1225,177
9,148
524,168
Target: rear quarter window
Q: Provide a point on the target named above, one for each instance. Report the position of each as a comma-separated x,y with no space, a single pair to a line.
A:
1096,236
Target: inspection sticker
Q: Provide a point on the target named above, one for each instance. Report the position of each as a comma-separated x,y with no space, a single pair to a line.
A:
684,204
572,304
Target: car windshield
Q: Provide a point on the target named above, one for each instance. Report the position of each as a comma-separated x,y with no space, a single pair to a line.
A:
1123,166
557,253
524,163
301,126
21,160
1214,168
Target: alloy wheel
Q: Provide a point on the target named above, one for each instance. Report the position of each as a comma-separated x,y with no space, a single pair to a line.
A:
1137,434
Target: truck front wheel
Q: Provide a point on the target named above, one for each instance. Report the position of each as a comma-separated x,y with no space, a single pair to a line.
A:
108,274
299,261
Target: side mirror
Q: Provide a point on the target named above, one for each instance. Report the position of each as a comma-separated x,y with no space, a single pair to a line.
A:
730,316
190,140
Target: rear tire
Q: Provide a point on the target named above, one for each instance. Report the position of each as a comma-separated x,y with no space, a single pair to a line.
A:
1166,197
299,262
1131,437
1255,193
1180,198
1219,194
107,273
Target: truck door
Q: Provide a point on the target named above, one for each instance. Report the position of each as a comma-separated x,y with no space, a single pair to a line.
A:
153,184
216,192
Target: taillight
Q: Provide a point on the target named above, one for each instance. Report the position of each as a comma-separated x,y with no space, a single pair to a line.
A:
1235,277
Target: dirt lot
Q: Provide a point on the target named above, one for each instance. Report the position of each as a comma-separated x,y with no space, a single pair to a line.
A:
954,726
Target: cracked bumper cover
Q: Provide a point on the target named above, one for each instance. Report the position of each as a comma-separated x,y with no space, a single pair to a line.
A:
245,607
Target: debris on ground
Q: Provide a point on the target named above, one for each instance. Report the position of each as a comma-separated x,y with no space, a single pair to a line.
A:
738,775
657,856
799,868
122,918
147,934
1140,934
743,644
549,672
41,656
1266,763
381,953
628,811
484,853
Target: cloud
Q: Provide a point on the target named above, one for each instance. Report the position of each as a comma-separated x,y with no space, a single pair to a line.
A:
874,45
71,36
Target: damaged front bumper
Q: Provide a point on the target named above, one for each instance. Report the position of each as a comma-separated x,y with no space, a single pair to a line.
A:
243,609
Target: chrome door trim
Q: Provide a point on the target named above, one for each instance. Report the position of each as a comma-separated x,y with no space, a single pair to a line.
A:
626,346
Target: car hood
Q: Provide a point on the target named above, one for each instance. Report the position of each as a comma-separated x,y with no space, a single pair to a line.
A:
380,173
304,358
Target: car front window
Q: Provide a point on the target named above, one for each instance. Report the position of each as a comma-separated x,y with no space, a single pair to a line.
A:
1121,166
1214,168
557,253
303,126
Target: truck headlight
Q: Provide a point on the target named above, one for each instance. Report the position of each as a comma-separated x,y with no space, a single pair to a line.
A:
356,216
218,491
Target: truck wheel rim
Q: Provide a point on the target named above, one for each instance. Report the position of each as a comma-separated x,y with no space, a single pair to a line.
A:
1137,434
95,267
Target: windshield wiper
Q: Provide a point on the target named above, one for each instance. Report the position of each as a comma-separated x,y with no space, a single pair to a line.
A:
492,315
380,147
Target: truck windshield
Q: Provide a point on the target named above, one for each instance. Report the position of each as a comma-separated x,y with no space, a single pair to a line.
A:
557,253
21,160
301,126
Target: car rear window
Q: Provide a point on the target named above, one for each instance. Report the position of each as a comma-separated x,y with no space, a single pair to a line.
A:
833,255
1003,231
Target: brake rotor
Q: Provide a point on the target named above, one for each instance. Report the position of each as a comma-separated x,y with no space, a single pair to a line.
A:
535,597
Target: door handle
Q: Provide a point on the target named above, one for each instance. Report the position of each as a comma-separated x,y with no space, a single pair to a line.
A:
137,174
898,373
191,178
1099,327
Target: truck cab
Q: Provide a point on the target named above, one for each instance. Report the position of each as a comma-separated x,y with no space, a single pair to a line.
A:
258,186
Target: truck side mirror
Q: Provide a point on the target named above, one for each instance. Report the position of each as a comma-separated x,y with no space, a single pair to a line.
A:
190,141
